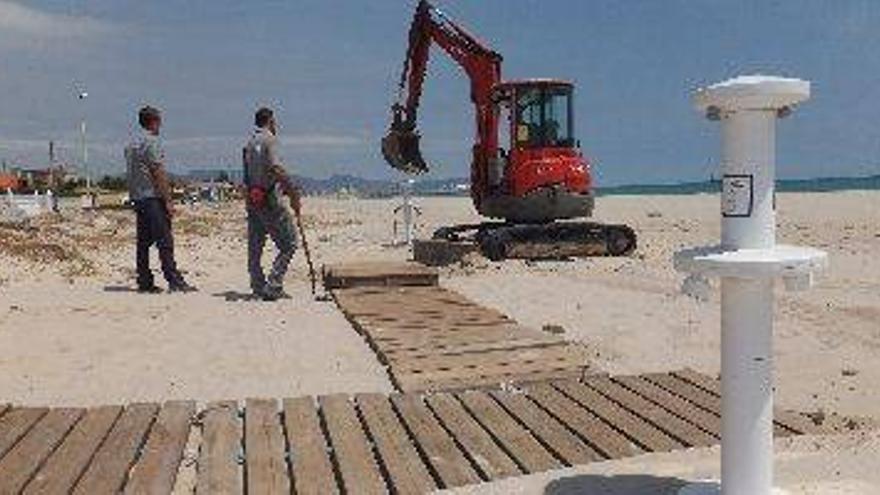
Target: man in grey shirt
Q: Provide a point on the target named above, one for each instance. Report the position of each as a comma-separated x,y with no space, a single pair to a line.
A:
150,194
266,180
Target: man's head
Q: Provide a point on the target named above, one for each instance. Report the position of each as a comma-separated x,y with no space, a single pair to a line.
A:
265,119
150,119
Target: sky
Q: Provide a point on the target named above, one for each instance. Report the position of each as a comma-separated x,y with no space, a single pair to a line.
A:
330,68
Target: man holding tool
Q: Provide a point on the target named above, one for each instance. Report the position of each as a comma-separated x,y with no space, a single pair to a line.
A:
265,180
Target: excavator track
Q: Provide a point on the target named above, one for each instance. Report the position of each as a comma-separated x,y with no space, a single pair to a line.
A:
556,240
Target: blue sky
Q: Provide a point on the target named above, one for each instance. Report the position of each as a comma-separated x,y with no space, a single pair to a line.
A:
330,68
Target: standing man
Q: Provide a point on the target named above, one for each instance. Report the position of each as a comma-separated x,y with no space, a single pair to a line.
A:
150,192
265,180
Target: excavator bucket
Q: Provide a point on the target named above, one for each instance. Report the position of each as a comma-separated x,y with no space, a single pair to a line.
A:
400,146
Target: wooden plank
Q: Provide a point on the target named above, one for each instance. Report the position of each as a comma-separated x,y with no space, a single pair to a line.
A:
636,428
698,396
489,458
22,461
789,420
686,433
70,460
529,454
351,449
587,425
108,469
265,465
706,421
447,461
156,469
312,470
15,423
406,471
468,347
561,352
418,340
547,429
218,467
485,376
378,274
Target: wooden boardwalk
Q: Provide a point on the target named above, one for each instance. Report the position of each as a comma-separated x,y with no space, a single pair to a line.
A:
432,338
406,443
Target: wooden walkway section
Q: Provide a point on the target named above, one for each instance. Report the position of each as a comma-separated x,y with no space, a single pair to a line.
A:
431,338
407,443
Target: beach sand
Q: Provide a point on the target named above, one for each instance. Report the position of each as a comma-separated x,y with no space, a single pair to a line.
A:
73,333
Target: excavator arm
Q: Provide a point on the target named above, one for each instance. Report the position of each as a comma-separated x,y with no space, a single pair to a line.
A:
482,66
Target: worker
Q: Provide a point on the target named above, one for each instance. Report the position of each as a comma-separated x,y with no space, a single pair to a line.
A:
150,193
265,181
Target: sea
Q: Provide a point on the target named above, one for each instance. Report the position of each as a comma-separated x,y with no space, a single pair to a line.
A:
825,184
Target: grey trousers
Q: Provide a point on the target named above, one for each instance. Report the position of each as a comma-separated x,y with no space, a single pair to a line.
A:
277,224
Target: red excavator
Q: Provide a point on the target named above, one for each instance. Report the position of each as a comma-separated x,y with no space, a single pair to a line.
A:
535,180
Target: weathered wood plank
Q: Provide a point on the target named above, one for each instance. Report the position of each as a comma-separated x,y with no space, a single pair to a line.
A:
587,425
265,464
697,395
636,428
447,461
22,461
492,461
218,467
108,469
70,460
156,470
469,347
378,274
485,376
351,448
686,433
16,423
529,454
547,429
790,420
550,356
706,421
401,460
312,470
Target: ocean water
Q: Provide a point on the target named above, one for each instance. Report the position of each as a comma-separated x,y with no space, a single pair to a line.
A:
826,184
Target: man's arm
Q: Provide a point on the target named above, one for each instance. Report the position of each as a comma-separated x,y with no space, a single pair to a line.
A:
156,167
290,189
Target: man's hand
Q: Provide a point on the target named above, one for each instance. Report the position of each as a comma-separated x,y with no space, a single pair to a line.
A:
169,210
295,202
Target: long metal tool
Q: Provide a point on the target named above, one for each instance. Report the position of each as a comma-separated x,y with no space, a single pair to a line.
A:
305,243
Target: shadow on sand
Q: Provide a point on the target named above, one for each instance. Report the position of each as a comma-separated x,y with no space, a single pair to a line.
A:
119,288
235,296
624,484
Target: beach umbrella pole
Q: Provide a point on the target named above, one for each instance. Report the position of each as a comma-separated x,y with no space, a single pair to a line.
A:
748,261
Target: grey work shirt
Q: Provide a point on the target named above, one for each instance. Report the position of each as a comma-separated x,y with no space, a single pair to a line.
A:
142,156
260,154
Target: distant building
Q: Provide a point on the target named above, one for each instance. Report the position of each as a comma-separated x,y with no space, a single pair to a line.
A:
233,176
9,181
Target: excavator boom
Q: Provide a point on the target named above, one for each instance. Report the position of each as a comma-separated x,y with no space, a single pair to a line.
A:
400,146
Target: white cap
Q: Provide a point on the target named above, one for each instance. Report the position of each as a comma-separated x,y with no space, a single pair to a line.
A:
754,92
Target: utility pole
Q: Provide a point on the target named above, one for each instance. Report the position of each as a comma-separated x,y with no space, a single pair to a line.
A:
84,143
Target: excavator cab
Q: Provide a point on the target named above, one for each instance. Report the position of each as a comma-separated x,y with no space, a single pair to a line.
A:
542,114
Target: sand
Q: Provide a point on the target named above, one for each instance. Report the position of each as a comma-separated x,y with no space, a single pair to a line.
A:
73,333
